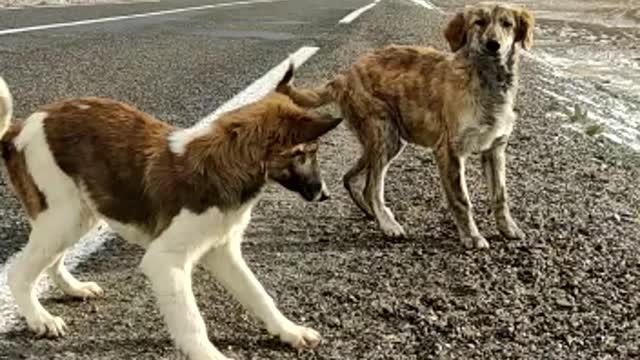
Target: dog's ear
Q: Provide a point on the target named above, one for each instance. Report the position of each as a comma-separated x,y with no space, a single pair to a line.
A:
309,127
456,32
524,31
284,84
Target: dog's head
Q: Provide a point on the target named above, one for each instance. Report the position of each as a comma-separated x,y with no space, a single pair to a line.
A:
490,29
294,162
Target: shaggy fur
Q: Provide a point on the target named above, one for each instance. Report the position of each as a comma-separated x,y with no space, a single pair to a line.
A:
456,103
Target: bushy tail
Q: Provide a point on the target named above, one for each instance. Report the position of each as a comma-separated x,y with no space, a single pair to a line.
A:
309,98
6,108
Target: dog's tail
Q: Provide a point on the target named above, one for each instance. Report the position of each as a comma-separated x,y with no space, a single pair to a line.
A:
6,108
309,98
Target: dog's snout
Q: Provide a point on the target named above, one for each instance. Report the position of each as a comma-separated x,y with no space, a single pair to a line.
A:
493,46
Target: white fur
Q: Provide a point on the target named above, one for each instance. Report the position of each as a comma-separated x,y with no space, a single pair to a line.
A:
168,261
6,107
179,139
84,107
388,222
480,137
63,223
216,236
168,264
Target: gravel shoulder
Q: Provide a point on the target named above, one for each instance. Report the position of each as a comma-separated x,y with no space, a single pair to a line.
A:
570,290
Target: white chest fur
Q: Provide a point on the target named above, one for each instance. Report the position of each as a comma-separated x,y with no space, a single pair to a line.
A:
216,226
479,128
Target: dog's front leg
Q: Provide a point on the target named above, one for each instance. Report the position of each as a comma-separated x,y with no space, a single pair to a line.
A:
494,166
228,266
168,263
452,175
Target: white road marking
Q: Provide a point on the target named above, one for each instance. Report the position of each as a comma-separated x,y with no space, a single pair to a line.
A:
132,16
354,14
265,84
57,6
427,4
259,88
96,239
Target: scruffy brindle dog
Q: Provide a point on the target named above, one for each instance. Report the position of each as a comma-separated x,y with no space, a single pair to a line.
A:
456,103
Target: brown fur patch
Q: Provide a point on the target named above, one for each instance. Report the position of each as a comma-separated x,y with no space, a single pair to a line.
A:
21,181
121,156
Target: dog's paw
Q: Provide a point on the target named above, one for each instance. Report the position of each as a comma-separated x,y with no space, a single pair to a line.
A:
512,232
47,325
475,242
392,229
86,290
300,337
199,349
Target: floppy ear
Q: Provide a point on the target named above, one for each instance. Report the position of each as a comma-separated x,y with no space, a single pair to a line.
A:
456,32
524,32
310,127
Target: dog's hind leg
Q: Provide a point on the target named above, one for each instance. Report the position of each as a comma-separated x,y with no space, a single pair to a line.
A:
228,266
351,179
69,284
53,231
389,145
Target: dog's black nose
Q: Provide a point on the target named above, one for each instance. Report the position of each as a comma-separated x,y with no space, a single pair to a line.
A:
493,46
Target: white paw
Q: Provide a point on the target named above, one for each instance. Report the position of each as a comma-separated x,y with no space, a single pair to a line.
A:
392,229
475,242
86,290
511,231
47,325
300,337
198,348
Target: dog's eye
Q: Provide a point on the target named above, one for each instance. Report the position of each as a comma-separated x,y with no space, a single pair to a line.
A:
301,158
506,24
481,22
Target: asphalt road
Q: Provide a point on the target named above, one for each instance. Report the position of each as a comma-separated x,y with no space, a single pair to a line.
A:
568,291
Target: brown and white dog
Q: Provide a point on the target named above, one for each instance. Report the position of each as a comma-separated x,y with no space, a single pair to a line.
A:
456,103
184,194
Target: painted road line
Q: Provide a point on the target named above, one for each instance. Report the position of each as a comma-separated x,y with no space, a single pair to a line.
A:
95,239
127,17
263,85
354,14
427,4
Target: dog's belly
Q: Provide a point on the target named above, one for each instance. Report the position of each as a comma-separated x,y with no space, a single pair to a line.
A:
130,233
424,131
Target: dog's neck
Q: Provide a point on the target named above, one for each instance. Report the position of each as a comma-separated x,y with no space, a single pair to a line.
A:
495,79
225,168
496,75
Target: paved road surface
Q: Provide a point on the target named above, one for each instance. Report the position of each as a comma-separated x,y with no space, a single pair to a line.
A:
570,290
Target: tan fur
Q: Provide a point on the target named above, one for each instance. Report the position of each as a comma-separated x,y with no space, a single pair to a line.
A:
456,103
